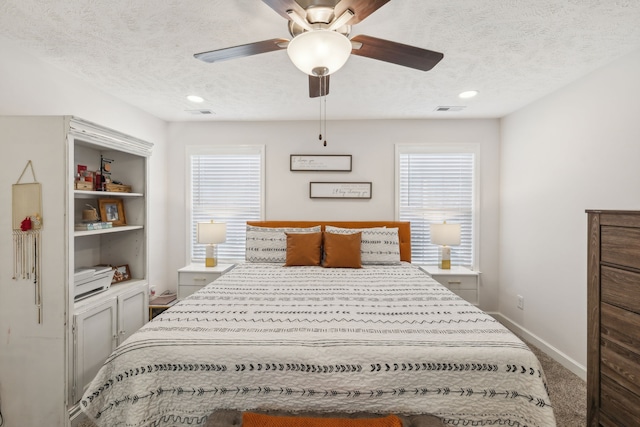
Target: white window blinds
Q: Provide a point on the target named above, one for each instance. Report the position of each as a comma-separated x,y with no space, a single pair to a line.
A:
434,187
226,185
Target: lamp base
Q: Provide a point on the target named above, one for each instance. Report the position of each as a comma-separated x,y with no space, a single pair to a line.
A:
210,256
445,258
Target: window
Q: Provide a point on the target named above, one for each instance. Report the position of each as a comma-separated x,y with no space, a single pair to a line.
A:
436,184
225,185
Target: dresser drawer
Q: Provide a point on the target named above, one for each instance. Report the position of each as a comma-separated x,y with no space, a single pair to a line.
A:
618,404
621,365
620,327
620,288
620,245
196,278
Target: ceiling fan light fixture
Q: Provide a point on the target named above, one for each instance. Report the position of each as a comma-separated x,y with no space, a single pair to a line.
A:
319,49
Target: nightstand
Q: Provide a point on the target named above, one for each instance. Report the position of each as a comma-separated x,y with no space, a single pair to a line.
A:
460,280
195,276
160,303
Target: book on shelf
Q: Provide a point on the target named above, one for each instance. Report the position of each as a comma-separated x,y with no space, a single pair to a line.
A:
84,226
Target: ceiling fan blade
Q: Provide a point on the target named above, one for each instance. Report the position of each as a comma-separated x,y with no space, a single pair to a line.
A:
317,87
282,6
361,8
242,50
396,53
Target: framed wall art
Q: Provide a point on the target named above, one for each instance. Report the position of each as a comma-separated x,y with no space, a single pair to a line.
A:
320,162
112,210
340,190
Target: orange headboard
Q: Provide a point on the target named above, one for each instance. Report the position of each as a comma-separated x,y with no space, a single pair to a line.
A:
404,229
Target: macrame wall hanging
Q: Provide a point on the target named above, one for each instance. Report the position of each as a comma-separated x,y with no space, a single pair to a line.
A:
27,223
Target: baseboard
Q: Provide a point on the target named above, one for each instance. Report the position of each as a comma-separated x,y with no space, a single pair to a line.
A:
550,350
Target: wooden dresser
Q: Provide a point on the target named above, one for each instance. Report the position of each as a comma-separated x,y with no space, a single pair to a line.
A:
613,360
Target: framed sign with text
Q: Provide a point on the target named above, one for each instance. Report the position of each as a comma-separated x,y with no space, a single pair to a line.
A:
340,190
320,162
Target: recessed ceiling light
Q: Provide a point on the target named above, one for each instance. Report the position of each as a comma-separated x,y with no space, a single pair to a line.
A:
195,98
468,94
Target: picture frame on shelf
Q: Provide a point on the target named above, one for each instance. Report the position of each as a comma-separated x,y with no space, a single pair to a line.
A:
122,273
112,210
340,190
320,162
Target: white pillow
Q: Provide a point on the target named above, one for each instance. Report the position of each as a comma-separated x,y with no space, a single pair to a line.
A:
379,245
266,244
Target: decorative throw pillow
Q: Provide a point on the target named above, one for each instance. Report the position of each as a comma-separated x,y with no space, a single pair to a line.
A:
267,244
303,249
342,250
380,245
253,419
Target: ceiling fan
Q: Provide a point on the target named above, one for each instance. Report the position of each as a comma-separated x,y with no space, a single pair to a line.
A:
320,43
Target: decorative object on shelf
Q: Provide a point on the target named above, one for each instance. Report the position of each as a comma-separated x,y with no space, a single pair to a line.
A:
112,210
105,173
340,190
86,226
117,188
445,235
89,215
121,273
84,179
211,233
27,223
320,162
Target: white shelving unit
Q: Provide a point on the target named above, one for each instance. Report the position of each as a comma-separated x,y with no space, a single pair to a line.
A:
102,321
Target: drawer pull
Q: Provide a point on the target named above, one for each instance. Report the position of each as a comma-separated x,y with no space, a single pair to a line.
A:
200,279
454,282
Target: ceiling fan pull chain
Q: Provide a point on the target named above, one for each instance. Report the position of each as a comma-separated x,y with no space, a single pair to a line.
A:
325,116
320,111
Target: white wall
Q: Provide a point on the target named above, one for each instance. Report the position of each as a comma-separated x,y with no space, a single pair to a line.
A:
31,356
576,149
372,145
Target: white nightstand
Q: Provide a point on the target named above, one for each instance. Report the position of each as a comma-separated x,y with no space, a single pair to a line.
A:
195,276
463,282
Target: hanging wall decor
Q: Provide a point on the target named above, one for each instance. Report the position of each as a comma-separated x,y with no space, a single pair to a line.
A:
27,223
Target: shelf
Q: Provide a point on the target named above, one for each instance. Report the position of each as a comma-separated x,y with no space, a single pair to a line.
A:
107,230
86,194
114,290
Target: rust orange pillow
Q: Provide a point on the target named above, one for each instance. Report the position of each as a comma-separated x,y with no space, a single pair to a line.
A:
303,249
342,250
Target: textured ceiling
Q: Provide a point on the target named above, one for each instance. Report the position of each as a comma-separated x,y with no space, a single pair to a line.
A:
512,51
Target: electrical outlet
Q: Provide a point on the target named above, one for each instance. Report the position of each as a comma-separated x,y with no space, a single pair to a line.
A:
520,302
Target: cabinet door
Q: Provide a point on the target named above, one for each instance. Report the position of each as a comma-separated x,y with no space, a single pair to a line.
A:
133,311
94,339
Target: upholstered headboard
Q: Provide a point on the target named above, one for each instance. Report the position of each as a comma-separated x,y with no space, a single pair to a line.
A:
404,229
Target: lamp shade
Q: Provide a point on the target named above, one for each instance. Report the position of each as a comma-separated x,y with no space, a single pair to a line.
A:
319,52
212,232
445,234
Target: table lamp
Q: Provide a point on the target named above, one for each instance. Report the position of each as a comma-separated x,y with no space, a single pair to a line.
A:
445,235
211,233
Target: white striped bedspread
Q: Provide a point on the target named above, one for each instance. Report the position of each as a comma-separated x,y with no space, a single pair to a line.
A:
381,339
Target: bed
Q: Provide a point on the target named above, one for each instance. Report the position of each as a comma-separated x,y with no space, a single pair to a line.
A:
383,338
